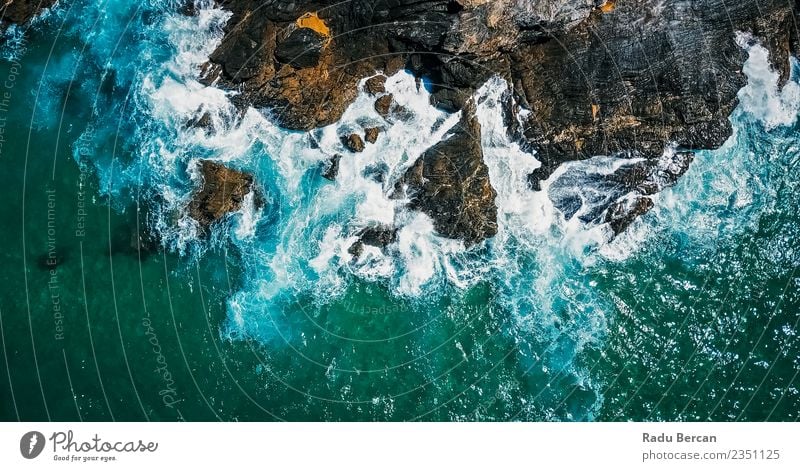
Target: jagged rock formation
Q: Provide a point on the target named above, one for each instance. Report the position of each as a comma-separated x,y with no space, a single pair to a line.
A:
377,236
331,168
642,75
221,192
450,183
597,77
619,197
353,142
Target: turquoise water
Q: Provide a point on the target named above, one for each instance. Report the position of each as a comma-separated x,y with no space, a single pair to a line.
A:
691,315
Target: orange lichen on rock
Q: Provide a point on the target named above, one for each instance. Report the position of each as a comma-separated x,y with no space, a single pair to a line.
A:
608,6
314,22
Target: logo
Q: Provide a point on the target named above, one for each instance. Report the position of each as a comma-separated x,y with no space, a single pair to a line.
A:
31,445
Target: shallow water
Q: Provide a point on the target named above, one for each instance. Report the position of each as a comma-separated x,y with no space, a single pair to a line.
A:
691,314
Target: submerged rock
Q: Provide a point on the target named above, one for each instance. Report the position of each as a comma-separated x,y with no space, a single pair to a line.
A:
202,120
595,195
221,192
622,213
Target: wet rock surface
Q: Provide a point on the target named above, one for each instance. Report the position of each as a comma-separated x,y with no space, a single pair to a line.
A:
331,168
594,194
623,78
641,75
376,236
450,183
371,134
354,143
302,48
21,11
221,192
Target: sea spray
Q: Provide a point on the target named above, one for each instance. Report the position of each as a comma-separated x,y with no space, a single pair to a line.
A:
541,269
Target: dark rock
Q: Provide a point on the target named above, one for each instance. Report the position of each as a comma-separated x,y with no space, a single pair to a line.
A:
634,78
301,49
356,249
221,192
203,121
623,213
616,78
332,169
378,172
354,143
390,109
306,97
21,11
616,198
450,183
621,76
455,43
384,104
450,99
371,134
376,236
376,85
188,8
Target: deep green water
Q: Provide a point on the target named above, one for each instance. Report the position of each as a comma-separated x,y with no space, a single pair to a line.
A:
698,322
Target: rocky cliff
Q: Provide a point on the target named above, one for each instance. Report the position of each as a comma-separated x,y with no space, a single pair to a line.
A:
595,77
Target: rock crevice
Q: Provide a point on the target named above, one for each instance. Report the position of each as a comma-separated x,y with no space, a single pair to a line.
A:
625,78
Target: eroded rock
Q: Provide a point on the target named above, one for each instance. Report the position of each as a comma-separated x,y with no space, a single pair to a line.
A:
221,192
376,85
302,48
375,236
589,191
643,74
371,134
332,168
354,143
450,183
627,77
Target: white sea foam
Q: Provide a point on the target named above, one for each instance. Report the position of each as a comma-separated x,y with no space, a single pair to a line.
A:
535,259
727,189
763,97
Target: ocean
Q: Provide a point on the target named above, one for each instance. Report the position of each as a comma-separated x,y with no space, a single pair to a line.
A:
691,314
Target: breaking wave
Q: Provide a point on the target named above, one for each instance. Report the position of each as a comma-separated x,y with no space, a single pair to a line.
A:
540,264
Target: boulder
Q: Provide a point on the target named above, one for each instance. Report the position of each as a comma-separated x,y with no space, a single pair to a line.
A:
371,134
384,105
450,183
221,192
354,143
375,236
376,85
